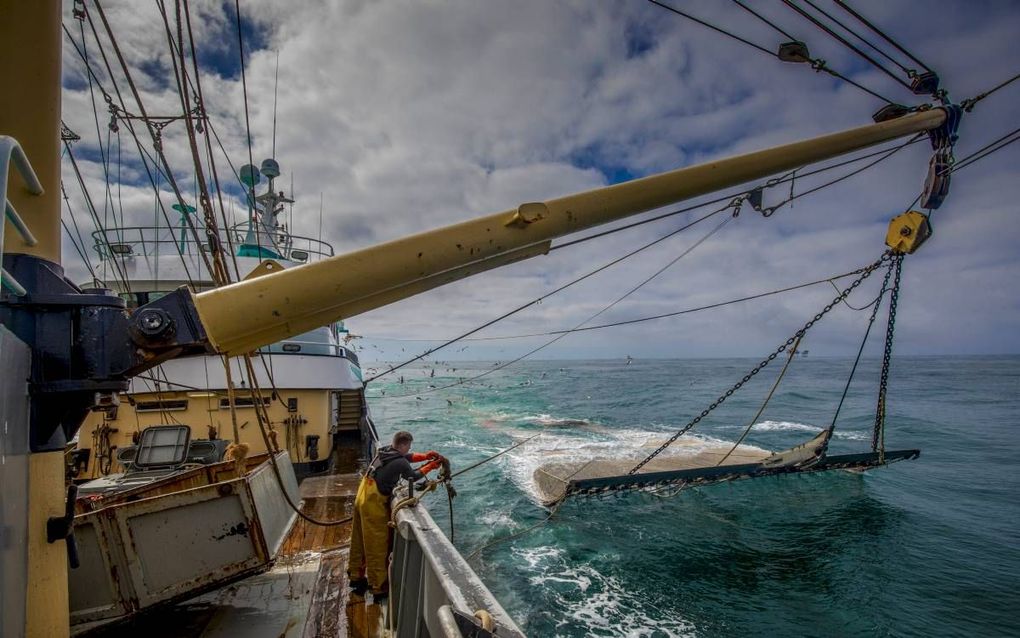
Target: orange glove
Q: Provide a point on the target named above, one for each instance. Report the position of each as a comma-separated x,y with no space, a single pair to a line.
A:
418,457
434,464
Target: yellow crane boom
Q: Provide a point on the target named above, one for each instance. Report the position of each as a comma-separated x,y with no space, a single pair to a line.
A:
250,314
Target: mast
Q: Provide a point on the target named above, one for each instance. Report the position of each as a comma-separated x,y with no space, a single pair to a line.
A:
30,65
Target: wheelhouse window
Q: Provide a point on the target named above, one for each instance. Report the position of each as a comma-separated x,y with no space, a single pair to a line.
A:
171,405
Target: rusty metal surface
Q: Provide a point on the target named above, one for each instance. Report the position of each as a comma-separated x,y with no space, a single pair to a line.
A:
177,544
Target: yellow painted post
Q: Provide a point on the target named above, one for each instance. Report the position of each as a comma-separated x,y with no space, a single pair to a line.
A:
30,112
46,604
250,314
30,62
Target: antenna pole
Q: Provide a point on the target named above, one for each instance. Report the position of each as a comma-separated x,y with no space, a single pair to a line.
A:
276,86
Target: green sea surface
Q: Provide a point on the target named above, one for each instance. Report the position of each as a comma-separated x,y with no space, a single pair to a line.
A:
929,547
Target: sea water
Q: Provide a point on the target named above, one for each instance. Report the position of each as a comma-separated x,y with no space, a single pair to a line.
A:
929,547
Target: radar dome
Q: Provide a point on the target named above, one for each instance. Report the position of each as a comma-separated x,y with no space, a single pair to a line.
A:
270,168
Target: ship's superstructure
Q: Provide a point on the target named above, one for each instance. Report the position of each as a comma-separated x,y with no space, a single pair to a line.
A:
314,392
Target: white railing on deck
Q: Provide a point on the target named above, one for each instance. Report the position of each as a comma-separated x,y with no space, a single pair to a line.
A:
11,150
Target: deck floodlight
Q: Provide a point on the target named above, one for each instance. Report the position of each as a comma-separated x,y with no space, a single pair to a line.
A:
299,255
121,249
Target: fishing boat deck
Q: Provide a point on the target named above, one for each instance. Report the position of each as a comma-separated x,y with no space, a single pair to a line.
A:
304,595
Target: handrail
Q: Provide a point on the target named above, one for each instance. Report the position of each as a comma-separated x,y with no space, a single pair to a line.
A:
10,149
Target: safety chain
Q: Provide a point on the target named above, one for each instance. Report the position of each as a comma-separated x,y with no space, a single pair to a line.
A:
878,436
747,377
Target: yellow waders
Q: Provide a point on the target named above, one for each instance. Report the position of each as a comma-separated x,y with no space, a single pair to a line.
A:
370,536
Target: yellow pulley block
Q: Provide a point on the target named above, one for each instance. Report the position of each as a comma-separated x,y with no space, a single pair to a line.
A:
907,232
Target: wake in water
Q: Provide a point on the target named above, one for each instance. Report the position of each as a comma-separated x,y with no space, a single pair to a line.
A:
790,426
596,602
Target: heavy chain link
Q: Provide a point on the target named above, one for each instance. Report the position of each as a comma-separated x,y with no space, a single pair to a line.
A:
865,273
878,435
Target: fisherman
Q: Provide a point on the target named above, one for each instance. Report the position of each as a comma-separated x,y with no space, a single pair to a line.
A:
370,532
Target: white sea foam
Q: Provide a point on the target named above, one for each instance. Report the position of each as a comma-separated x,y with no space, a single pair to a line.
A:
790,426
547,419
599,603
566,446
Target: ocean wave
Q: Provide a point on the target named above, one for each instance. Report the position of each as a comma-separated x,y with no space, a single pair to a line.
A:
599,603
790,426
546,419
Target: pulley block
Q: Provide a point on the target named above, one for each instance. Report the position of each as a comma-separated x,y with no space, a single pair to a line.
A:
907,232
794,52
924,83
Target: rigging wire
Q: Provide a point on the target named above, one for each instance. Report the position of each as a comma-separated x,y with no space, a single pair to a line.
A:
143,153
818,23
81,251
208,124
986,150
881,34
91,207
103,153
968,104
754,371
157,144
220,274
816,64
885,153
549,294
677,313
910,72
788,178
765,403
765,20
683,254
247,121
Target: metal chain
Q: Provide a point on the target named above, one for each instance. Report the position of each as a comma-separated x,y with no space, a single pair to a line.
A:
747,377
878,435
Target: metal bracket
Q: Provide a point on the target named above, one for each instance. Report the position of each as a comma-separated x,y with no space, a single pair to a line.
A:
527,214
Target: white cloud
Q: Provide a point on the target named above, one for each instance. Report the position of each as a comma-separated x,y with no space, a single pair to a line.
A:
407,116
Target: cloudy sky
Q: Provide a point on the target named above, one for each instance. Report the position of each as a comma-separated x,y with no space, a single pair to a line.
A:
404,116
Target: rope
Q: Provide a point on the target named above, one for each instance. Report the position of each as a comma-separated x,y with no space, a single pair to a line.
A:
537,300
867,332
797,335
768,397
508,537
495,456
720,304
557,338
